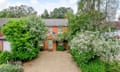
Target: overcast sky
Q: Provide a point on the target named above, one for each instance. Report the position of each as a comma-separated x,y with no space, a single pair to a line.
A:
41,5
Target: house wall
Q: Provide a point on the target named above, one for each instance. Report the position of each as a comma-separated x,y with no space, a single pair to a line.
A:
55,29
5,45
46,45
1,45
65,29
50,37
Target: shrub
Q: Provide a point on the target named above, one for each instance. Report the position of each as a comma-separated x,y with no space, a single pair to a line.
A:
5,57
0,51
10,68
60,37
112,66
87,62
82,58
94,66
60,48
26,55
89,48
24,34
41,48
106,48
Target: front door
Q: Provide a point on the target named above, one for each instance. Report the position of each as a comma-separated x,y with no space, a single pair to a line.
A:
50,44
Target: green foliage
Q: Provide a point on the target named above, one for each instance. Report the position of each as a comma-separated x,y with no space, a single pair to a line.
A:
61,37
106,48
26,55
82,58
0,51
95,53
24,35
94,7
41,48
94,66
85,21
88,46
60,12
10,68
17,12
60,48
5,57
78,23
45,14
37,28
57,13
112,66
87,62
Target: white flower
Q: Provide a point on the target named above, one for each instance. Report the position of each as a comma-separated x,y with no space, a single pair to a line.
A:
90,41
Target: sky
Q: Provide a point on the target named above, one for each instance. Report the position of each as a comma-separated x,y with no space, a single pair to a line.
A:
41,5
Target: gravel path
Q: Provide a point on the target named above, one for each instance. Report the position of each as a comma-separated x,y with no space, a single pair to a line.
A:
52,62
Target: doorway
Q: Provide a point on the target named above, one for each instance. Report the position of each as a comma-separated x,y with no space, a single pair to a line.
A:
50,44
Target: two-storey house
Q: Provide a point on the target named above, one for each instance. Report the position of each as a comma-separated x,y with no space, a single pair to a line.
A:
54,26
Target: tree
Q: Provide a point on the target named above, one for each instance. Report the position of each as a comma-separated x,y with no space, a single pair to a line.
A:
17,11
97,7
111,8
92,14
24,35
60,37
45,14
60,12
78,23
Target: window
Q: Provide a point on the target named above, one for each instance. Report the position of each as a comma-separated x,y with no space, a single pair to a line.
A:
6,46
50,44
40,43
59,29
50,30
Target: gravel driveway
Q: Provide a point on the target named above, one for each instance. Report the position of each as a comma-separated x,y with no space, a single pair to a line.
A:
52,62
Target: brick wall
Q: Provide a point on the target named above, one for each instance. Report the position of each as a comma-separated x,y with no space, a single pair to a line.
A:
54,30
1,45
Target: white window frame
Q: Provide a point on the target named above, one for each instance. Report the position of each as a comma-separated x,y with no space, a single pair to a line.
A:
60,29
6,46
50,30
50,44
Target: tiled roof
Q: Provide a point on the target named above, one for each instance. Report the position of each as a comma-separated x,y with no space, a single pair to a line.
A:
56,22
3,21
48,22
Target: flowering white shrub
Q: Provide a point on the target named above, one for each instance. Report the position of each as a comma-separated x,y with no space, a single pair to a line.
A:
106,48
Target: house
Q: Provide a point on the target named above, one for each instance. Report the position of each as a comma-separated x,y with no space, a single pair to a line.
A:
55,26
4,45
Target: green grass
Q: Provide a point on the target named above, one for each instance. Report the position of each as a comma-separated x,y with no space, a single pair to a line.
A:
93,66
90,63
112,66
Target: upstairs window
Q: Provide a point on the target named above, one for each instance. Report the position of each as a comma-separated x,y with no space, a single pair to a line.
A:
60,30
50,30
